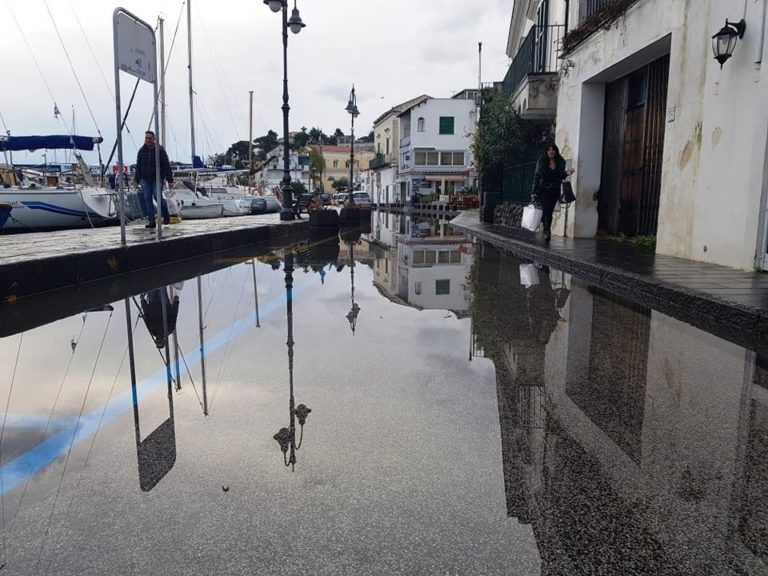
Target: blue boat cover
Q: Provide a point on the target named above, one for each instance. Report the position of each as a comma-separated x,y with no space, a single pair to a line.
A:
62,142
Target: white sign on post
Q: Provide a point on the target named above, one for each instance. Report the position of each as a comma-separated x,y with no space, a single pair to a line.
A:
135,52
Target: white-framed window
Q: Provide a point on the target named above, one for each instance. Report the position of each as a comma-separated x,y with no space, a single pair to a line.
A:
420,125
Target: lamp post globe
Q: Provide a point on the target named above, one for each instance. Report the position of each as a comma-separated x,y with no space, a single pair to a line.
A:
275,5
296,23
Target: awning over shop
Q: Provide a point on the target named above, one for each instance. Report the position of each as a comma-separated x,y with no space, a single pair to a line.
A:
447,178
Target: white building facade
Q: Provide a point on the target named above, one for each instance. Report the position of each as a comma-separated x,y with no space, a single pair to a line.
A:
435,154
664,141
270,177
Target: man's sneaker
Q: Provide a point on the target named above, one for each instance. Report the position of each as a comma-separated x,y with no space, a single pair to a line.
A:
166,219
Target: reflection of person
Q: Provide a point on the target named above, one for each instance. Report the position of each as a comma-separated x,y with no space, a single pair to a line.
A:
542,310
145,177
547,182
152,311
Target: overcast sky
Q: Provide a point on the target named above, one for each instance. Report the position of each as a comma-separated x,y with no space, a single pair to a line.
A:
392,51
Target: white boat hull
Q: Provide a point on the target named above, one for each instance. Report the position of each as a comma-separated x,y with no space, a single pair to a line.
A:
200,212
46,208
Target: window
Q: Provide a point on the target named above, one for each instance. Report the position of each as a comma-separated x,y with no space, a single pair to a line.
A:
443,257
433,158
442,287
455,257
335,163
446,158
387,144
417,288
420,125
429,257
446,124
458,158
418,256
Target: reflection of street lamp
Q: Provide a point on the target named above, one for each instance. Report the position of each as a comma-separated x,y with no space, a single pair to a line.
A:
286,437
295,24
352,314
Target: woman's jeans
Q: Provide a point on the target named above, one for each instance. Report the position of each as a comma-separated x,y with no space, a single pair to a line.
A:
149,194
548,197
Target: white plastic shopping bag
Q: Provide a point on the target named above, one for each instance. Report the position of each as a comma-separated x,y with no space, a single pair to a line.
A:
529,275
531,217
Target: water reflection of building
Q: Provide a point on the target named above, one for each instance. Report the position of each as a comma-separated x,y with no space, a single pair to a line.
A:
421,262
631,442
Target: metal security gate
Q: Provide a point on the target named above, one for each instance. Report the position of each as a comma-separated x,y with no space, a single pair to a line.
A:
633,151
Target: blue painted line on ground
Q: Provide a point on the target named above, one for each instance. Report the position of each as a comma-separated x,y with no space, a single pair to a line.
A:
35,459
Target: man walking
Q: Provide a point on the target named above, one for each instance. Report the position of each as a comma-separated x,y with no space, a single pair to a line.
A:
145,176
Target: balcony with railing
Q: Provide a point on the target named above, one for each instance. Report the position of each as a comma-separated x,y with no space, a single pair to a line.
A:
379,161
594,15
536,62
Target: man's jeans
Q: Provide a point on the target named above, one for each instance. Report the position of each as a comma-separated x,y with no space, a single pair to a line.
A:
149,195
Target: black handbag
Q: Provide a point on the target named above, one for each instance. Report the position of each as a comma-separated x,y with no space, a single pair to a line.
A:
567,196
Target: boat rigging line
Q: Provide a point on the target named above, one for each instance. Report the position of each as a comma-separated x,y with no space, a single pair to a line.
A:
74,72
72,441
98,66
40,71
4,559
227,354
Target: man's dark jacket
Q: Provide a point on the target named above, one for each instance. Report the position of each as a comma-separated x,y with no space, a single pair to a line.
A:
145,165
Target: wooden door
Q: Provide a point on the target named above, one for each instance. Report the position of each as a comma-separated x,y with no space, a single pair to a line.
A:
633,147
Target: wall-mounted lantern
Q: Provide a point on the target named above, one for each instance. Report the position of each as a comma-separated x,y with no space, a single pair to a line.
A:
724,41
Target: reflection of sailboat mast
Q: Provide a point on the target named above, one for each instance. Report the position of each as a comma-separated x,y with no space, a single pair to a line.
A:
132,365
202,343
256,291
176,353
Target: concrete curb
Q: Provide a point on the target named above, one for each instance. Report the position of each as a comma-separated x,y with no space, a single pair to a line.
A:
25,278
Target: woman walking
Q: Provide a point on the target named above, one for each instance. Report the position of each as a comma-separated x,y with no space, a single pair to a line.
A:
547,182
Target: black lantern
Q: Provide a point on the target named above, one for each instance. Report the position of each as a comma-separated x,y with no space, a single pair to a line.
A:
724,41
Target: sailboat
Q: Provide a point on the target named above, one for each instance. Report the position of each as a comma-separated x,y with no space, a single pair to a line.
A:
40,205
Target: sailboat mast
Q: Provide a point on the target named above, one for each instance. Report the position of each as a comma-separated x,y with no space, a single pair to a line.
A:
250,148
161,136
191,93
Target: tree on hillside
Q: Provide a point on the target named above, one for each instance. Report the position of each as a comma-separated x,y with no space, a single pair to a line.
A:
237,154
265,144
316,164
368,138
341,183
316,136
301,139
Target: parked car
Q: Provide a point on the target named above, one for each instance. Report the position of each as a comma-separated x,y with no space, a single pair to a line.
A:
362,198
341,198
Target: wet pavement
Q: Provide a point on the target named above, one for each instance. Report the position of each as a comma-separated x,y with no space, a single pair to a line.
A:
707,295
471,413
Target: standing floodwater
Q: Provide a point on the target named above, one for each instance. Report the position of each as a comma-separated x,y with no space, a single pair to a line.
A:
405,402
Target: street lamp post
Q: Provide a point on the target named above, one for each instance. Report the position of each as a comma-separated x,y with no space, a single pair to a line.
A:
355,310
350,212
295,24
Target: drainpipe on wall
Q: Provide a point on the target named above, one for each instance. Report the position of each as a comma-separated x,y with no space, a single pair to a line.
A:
567,14
761,44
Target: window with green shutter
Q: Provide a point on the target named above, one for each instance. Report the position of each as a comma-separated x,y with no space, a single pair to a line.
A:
446,124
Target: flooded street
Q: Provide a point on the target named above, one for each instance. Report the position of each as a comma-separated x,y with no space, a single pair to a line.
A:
407,401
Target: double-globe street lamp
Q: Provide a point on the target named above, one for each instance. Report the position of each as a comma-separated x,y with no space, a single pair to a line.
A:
350,212
295,24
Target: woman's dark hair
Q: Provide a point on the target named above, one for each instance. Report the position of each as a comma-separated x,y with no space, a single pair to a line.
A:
558,157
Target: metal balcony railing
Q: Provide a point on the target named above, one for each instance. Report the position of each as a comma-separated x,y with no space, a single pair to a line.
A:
379,160
595,6
538,54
